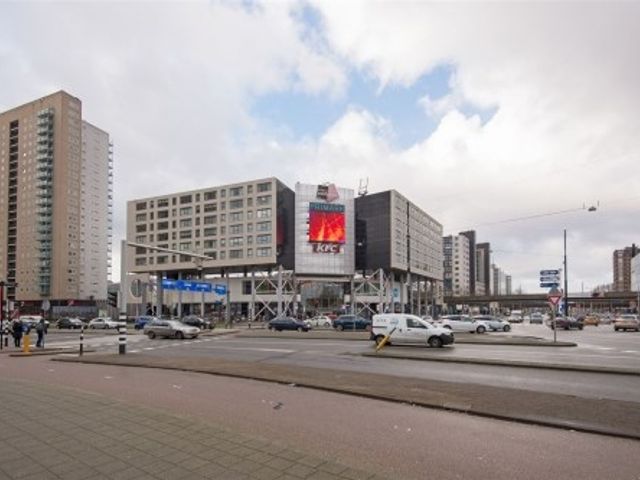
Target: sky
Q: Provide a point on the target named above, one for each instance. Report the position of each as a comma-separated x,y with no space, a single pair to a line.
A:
490,116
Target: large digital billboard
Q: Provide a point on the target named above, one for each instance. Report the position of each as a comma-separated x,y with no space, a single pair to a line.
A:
327,223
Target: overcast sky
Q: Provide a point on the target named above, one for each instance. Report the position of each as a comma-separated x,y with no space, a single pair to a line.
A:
478,112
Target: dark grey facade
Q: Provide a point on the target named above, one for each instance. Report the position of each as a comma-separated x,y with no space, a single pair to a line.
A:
484,267
285,207
471,235
373,232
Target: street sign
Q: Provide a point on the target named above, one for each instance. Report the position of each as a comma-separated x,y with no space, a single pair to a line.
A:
550,278
549,284
549,272
193,286
554,298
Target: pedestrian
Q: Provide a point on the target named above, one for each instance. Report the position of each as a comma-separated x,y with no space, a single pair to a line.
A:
16,329
40,330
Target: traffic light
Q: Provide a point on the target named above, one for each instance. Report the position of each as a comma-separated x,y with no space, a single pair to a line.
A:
113,299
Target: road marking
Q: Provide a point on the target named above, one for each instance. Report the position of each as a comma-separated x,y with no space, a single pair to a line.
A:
275,350
148,348
134,351
630,351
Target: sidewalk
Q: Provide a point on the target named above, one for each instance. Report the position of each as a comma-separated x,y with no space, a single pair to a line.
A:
65,434
603,416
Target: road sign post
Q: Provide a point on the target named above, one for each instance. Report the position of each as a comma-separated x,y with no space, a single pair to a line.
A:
554,298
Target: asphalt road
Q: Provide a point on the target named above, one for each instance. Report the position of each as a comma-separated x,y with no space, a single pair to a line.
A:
596,347
396,441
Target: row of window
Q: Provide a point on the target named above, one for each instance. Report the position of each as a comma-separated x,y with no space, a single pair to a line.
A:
206,232
260,213
206,196
222,255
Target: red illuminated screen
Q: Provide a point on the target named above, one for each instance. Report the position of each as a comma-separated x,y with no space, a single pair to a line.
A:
327,227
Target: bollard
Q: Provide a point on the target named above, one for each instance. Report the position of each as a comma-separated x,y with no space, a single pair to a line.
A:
26,343
122,341
81,340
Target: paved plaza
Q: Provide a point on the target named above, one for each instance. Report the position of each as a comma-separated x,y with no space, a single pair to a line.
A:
51,432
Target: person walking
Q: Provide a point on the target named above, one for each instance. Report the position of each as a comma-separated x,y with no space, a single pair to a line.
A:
40,330
16,329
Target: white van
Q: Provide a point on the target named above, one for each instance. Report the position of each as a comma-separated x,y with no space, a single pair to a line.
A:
410,329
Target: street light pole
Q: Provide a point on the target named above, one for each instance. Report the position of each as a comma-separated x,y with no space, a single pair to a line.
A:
566,281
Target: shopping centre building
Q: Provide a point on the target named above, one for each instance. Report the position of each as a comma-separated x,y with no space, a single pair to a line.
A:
265,249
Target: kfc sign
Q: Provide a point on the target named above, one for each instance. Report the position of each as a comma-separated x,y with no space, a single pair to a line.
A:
326,247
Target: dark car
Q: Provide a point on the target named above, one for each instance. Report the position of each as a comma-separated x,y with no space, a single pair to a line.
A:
287,323
567,323
69,323
141,321
351,322
196,321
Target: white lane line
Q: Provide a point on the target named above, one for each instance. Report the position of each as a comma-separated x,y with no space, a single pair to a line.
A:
148,348
275,350
630,351
134,351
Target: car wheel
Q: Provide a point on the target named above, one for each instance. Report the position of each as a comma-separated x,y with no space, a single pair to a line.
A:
340,328
435,342
151,335
480,329
379,339
270,327
448,327
615,329
180,335
580,327
506,328
327,324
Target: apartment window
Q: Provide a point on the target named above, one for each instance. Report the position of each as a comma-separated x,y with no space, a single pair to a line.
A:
235,229
249,240
163,202
163,214
185,211
210,232
263,239
233,204
223,217
210,207
210,244
249,227
141,217
263,213
223,242
141,228
249,252
263,252
210,195
235,253
235,192
263,226
249,189
141,206
197,197
223,230
264,187
236,241
185,234
141,261
263,200
223,206
162,259
184,246
212,255
210,219
249,202
140,251
223,193
223,255
163,237
141,239
185,223
235,217
185,199
163,225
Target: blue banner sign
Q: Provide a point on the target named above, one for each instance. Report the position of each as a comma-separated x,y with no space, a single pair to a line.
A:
193,286
549,284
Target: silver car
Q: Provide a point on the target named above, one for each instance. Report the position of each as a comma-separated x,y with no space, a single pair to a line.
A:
170,329
495,324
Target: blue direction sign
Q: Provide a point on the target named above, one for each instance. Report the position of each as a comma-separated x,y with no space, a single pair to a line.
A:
549,272
549,284
193,286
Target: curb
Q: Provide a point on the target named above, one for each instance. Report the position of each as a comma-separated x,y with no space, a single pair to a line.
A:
505,363
41,353
530,419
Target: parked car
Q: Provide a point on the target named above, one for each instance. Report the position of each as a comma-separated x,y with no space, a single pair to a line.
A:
494,324
515,316
409,329
105,323
142,320
170,329
463,323
287,323
30,321
536,318
626,322
351,322
591,319
72,323
566,323
319,321
195,321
